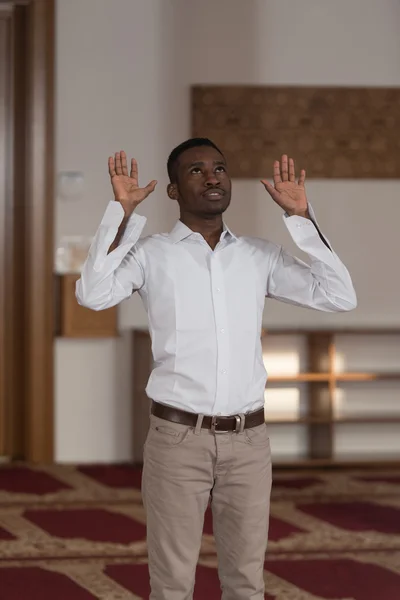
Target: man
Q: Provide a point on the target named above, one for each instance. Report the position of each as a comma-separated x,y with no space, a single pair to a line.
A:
204,290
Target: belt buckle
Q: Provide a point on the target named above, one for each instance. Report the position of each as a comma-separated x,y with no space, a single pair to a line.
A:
214,423
214,420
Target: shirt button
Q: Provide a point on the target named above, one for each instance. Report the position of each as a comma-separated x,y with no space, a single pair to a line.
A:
222,330
224,371
218,289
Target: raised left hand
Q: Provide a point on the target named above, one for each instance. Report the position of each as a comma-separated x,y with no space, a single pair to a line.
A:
288,193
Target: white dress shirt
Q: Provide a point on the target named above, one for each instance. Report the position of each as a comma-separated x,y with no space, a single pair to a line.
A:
205,307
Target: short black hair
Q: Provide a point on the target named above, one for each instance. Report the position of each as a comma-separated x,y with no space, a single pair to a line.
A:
176,152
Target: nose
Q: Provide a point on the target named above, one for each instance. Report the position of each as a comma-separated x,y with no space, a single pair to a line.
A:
211,180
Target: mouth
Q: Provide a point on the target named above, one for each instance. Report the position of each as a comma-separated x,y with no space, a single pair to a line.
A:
214,194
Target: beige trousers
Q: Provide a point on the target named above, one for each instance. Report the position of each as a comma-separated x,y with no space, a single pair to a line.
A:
183,469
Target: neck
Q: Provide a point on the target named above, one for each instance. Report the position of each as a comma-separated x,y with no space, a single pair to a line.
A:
211,229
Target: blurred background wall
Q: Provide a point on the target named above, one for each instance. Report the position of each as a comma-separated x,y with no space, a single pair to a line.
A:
123,72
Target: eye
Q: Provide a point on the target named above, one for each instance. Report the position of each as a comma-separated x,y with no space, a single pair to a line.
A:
195,171
220,169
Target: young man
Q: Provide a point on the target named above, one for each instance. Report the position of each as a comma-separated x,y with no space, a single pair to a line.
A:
204,290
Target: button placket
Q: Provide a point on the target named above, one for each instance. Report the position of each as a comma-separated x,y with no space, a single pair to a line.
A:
222,335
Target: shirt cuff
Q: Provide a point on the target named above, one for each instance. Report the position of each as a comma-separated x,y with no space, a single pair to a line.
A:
114,216
107,231
301,227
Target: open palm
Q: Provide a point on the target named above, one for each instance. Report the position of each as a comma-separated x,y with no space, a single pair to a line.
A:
288,193
126,186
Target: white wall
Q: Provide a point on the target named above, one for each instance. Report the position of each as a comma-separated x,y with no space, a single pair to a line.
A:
283,42
123,74
112,72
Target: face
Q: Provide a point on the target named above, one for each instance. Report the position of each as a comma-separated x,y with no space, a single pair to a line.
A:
203,186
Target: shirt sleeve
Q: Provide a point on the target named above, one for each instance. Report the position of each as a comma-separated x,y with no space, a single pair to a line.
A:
324,284
107,279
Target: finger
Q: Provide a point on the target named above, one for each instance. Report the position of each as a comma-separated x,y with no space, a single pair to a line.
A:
123,163
291,170
285,173
270,189
134,170
150,187
111,166
118,166
277,172
302,177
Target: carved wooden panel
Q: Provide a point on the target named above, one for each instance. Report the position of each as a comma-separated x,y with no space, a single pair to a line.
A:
331,132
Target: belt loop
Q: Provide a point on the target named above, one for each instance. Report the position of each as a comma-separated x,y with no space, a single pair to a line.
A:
199,424
242,422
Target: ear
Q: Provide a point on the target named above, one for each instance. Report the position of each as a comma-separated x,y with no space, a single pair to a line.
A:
172,191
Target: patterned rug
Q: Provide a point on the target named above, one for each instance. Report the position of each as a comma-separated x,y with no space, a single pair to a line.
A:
78,533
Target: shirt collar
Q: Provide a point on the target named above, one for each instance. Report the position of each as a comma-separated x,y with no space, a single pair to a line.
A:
182,231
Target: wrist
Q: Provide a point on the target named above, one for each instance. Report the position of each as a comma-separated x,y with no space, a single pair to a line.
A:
299,213
127,207
127,215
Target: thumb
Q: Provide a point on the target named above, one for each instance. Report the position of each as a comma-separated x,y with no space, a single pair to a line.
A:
150,187
269,187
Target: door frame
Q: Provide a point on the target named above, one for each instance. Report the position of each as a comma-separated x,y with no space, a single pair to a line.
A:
27,390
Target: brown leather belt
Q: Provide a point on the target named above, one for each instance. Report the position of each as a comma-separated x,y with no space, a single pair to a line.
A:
217,424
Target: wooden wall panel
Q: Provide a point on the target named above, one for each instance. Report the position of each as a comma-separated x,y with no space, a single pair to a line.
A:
75,321
39,215
331,132
5,191
142,367
26,229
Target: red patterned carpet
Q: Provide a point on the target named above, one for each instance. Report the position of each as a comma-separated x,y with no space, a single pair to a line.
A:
71,533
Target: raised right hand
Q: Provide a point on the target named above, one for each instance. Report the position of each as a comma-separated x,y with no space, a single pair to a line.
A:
126,187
